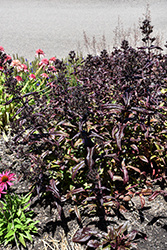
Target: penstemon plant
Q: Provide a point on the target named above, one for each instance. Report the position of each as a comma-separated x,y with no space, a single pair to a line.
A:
116,238
16,223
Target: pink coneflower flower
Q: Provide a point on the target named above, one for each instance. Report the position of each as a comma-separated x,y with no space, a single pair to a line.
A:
44,62
5,179
19,78
39,52
25,68
44,75
1,68
15,63
32,76
1,48
52,59
1,191
7,58
52,68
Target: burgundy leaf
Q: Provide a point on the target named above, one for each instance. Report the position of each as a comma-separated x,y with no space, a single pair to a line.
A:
33,158
125,172
114,131
132,235
78,190
127,198
44,154
111,174
134,168
154,195
144,47
114,156
127,97
114,177
75,136
146,134
93,243
74,191
142,200
155,47
122,228
77,213
61,133
114,106
146,191
89,157
119,135
76,168
83,234
142,110
53,188
143,158
68,124
95,135
135,147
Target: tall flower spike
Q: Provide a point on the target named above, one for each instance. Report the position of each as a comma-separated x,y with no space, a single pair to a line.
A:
5,179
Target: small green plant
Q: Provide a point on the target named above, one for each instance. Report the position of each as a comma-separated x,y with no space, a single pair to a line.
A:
16,223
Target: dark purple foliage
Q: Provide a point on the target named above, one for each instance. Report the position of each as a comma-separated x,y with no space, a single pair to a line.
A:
100,138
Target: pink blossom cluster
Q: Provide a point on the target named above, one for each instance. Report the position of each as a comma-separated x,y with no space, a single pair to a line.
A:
5,181
45,64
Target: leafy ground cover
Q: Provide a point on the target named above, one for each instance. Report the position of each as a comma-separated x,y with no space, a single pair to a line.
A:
88,134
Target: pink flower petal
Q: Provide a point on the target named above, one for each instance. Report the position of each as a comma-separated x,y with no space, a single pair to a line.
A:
1,48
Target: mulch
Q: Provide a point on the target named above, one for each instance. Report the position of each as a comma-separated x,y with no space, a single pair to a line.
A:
57,234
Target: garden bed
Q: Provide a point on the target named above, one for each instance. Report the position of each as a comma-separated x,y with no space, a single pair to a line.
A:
84,149
55,234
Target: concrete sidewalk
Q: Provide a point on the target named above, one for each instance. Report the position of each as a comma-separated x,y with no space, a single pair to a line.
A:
56,26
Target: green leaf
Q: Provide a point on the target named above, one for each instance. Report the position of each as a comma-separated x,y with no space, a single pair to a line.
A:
3,203
19,226
2,231
19,212
21,239
26,206
23,217
29,236
10,233
9,226
26,199
29,220
1,224
9,240
17,221
37,221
